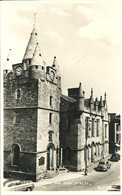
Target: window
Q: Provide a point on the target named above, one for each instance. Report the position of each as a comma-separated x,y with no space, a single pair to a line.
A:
97,128
50,118
16,151
17,117
17,94
86,127
50,135
92,127
105,130
51,100
42,67
36,67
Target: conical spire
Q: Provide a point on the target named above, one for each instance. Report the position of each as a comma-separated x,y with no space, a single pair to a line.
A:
31,45
105,96
37,58
80,90
101,101
96,101
7,64
55,63
80,100
56,66
91,92
91,97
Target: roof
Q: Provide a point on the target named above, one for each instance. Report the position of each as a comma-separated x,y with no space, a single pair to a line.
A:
37,58
31,45
72,100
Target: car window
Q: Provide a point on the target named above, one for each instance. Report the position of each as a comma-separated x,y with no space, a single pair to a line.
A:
18,183
11,184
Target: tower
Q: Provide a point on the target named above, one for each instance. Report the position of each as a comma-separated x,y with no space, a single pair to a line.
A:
31,114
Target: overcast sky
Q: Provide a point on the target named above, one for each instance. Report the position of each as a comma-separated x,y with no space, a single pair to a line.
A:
85,38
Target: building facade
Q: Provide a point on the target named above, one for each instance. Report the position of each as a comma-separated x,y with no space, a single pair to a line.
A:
84,129
31,114
44,129
114,133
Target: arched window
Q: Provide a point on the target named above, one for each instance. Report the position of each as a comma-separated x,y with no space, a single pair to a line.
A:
16,152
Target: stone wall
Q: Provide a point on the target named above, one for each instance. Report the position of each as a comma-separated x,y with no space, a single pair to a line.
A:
28,93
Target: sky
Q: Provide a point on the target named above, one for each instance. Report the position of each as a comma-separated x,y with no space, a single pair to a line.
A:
83,35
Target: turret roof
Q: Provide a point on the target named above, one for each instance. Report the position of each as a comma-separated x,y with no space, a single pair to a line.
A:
31,45
37,58
55,65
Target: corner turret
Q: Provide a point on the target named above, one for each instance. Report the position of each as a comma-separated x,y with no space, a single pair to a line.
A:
91,100
7,66
37,65
55,66
101,106
96,105
80,100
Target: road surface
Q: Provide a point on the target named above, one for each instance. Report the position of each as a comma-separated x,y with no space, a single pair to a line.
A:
95,181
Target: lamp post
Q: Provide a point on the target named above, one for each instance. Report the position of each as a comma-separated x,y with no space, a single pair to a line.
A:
86,135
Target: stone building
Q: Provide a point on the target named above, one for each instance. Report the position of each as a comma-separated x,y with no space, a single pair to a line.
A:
114,133
43,128
83,129
31,114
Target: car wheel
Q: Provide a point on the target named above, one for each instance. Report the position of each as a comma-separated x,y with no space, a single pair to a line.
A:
28,189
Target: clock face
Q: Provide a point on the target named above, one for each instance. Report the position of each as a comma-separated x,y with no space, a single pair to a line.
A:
18,71
52,75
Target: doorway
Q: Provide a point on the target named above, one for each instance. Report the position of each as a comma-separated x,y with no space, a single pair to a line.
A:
50,157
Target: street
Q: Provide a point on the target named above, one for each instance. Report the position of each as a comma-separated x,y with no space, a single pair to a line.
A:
100,181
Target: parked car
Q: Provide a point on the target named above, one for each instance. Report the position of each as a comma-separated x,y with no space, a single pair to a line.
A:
18,185
103,165
115,157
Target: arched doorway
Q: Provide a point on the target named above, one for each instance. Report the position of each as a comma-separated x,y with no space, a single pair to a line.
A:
50,157
15,152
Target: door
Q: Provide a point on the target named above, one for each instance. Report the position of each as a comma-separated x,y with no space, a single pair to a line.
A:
50,157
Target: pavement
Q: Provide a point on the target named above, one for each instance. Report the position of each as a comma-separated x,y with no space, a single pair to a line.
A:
65,176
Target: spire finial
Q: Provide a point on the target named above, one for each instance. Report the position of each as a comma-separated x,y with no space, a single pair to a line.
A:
91,90
105,96
34,19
